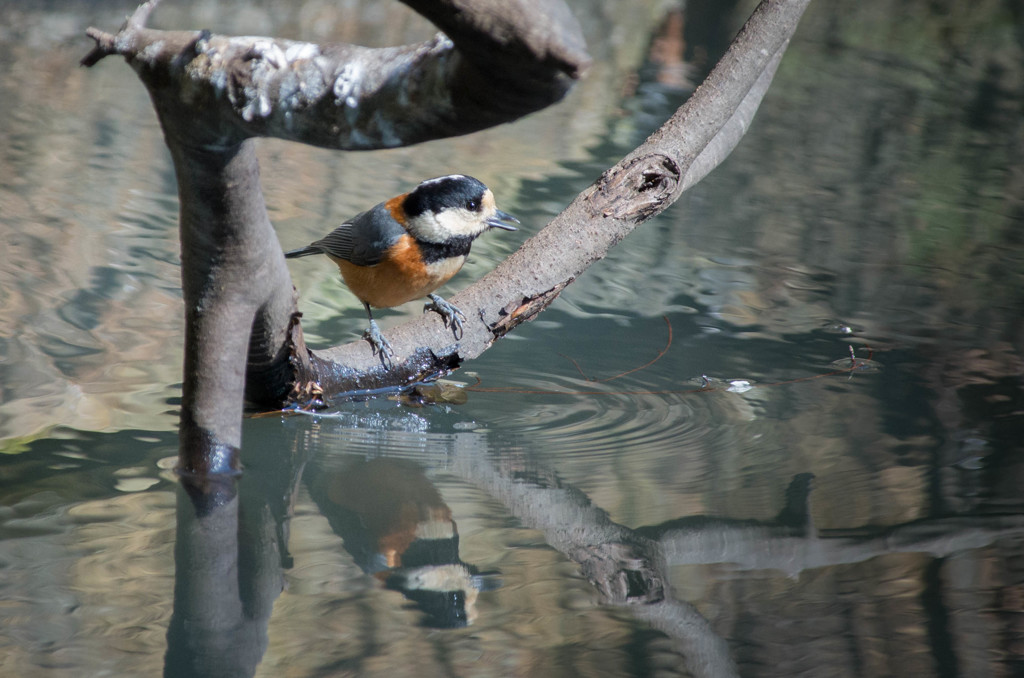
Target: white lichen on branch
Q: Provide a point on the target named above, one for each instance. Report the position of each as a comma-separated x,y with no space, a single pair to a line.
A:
340,95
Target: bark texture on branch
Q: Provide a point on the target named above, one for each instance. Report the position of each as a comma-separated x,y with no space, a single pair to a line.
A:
493,65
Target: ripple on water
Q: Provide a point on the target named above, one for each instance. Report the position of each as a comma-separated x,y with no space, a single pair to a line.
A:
595,419
579,418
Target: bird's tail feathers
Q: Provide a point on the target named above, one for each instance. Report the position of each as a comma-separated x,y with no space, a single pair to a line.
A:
302,252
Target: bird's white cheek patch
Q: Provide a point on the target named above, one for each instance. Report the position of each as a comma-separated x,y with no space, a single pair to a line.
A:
461,223
427,228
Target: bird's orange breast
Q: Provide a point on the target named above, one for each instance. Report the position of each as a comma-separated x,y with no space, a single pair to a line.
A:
400,277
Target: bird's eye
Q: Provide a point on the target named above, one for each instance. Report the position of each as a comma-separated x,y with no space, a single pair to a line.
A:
472,205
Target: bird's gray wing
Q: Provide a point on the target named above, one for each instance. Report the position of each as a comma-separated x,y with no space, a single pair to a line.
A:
364,238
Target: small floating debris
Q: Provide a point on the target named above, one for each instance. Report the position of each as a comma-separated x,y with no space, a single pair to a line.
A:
839,327
731,385
703,381
855,364
739,386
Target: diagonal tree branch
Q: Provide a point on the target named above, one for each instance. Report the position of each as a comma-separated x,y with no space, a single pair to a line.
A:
679,154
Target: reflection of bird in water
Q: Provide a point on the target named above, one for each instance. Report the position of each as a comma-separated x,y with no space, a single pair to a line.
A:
397,527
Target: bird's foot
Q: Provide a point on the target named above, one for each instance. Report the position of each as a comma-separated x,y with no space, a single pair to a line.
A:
450,314
381,346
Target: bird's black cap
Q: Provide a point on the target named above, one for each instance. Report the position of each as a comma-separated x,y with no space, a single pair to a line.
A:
452,191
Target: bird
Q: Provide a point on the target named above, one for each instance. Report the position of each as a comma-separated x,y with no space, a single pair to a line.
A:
406,247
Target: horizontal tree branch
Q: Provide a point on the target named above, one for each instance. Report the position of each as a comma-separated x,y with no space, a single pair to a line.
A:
493,66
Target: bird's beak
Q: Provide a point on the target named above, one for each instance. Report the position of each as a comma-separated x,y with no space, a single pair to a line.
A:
499,219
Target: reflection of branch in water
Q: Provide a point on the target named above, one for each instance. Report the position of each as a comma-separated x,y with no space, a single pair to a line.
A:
791,543
230,547
772,547
626,567
220,618
629,567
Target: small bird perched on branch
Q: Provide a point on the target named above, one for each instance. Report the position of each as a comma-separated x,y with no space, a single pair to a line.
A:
406,247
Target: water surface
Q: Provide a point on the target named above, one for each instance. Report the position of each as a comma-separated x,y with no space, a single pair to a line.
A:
776,432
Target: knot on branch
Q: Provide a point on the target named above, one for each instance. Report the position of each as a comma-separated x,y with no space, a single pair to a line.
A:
623,573
637,190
